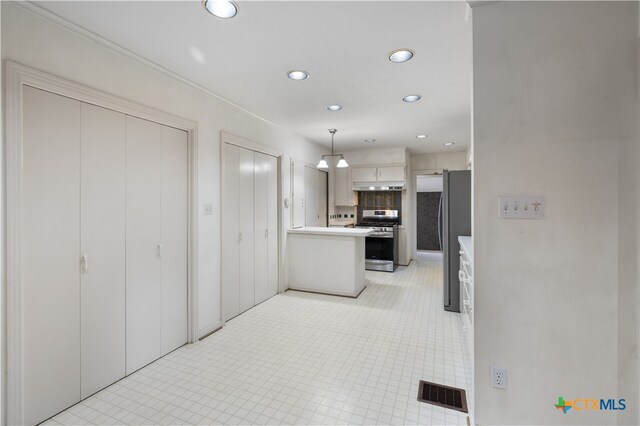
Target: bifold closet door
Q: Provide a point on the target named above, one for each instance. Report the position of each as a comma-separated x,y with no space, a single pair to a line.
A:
143,242
102,248
230,288
174,230
51,254
245,217
266,229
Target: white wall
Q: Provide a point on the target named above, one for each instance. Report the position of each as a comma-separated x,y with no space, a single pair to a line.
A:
36,42
555,103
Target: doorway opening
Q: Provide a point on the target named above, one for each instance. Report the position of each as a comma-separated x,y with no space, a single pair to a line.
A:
429,213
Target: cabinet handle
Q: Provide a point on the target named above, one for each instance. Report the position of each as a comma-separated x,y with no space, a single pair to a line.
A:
266,233
84,263
240,236
159,250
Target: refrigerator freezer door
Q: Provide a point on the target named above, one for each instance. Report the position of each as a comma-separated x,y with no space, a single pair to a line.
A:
457,222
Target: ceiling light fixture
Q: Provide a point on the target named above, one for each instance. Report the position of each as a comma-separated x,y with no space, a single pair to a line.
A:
422,136
412,98
449,143
298,75
401,55
221,8
369,140
322,164
334,107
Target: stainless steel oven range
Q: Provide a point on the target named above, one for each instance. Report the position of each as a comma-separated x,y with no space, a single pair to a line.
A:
381,247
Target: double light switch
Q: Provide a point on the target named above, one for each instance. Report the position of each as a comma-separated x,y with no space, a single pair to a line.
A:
521,207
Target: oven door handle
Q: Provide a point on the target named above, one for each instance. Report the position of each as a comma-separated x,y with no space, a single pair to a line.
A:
375,235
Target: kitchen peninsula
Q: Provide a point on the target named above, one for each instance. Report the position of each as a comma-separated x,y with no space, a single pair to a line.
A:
327,260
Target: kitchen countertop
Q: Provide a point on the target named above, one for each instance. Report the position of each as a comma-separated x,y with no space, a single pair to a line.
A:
347,232
466,244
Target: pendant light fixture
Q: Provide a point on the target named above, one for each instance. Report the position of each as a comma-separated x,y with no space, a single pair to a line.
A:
342,163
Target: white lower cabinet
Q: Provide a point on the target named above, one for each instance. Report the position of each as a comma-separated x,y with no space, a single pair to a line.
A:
249,230
104,275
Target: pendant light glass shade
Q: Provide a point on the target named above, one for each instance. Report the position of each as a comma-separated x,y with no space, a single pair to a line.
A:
342,163
322,164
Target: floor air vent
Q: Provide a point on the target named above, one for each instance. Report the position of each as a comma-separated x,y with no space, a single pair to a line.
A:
443,396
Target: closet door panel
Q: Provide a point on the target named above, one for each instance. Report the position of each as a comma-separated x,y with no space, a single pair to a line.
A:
51,254
174,218
143,286
230,286
272,225
103,247
261,225
246,277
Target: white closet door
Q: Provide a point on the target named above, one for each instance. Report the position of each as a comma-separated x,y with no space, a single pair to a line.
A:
245,216
298,204
102,245
144,316
51,254
174,219
312,208
261,225
230,289
272,225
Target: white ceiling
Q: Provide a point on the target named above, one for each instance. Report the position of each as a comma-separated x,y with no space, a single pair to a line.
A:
343,45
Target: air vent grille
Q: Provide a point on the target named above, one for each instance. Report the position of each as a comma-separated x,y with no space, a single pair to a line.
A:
443,396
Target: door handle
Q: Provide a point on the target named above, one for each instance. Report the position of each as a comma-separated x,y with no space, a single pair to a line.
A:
84,263
240,236
266,233
159,250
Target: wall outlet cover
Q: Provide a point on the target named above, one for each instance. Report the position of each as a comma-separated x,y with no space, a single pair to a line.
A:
498,378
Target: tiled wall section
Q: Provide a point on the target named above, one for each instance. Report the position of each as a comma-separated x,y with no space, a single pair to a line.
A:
379,200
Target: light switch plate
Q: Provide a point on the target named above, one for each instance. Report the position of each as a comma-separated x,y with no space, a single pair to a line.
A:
208,209
521,207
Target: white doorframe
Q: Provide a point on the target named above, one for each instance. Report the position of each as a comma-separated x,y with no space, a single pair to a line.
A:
231,139
16,77
414,197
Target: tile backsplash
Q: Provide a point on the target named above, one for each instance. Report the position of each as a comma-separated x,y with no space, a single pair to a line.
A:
379,200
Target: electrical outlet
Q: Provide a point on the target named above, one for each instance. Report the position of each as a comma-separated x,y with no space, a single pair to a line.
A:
499,378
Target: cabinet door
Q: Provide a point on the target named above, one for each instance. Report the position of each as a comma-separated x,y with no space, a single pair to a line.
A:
143,287
245,190
312,194
230,286
272,226
103,247
174,240
364,174
344,194
298,172
395,173
50,253
261,222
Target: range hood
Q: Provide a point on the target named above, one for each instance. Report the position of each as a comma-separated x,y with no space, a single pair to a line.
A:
379,186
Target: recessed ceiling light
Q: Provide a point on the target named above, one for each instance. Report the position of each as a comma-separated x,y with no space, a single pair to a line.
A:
401,55
422,136
412,98
334,107
298,75
221,8
449,143
369,140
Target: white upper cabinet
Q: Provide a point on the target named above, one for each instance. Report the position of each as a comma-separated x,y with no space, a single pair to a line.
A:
343,192
378,174
364,174
387,174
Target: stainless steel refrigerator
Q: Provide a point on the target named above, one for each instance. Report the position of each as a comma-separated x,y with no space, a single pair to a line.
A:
455,217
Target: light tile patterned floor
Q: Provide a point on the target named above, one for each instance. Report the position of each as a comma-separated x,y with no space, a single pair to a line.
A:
302,358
